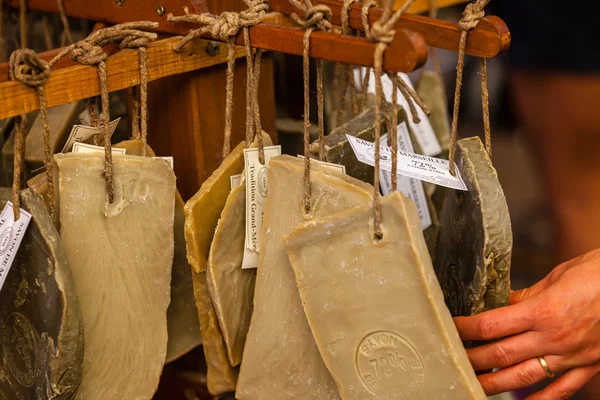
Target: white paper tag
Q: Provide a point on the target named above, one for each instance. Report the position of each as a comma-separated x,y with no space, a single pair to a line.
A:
423,131
429,169
335,167
168,159
410,187
90,148
257,189
235,180
11,235
81,133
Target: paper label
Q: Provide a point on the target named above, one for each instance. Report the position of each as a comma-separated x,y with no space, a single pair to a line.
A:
429,169
82,133
11,235
235,180
335,167
90,148
257,189
423,131
410,187
168,159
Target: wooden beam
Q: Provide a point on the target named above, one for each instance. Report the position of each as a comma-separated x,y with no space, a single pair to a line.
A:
420,6
489,39
80,82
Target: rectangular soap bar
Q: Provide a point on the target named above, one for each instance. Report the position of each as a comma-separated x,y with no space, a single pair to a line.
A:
430,89
376,310
42,330
182,315
121,256
231,287
281,360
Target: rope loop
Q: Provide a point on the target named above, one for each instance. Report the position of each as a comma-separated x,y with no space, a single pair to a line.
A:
26,67
474,12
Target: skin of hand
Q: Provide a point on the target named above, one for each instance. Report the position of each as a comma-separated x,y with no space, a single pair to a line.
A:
557,318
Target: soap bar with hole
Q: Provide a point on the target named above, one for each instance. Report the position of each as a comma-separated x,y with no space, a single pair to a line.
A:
182,315
376,309
202,214
41,339
231,287
475,242
121,256
281,360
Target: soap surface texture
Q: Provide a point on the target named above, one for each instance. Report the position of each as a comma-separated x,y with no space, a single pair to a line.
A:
121,256
375,308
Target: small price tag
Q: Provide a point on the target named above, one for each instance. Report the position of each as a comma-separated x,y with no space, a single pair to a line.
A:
332,166
11,235
429,169
410,187
257,189
235,180
82,133
90,148
423,131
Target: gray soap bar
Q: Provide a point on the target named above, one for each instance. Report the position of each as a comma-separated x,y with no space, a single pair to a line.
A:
474,248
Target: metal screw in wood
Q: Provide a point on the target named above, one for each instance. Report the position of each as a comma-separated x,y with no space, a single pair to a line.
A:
160,10
213,48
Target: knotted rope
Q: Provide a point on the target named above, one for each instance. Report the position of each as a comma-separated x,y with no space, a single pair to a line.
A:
225,27
347,75
90,52
316,17
383,32
473,13
26,67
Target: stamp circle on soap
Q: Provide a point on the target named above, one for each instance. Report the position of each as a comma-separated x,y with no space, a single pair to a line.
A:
5,239
263,188
21,347
388,363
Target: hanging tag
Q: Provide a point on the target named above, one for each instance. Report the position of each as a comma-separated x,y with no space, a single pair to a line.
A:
335,167
410,187
11,235
235,180
90,148
423,131
169,160
256,192
81,133
429,169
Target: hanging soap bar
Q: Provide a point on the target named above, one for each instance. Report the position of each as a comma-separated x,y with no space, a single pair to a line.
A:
42,334
337,149
475,242
430,89
231,287
281,360
182,315
202,213
376,310
121,256
60,120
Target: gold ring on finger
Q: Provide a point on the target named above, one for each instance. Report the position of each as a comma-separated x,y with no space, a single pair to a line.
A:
549,373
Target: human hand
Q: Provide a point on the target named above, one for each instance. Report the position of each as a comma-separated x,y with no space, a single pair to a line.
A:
558,318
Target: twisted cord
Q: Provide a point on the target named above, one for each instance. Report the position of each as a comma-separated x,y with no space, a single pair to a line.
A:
473,13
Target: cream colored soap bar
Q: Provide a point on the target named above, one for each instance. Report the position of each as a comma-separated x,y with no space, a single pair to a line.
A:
202,213
430,89
231,287
41,340
281,360
474,249
376,310
121,256
182,315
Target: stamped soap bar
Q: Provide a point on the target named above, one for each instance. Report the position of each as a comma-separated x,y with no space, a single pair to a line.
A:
375,308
